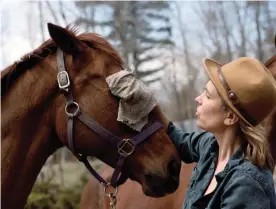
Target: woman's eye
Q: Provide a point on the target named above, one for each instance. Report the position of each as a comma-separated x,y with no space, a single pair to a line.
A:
205,92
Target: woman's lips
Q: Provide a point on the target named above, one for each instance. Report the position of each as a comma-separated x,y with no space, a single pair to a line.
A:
197,111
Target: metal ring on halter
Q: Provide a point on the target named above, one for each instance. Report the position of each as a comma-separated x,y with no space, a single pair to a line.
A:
111,193
72,104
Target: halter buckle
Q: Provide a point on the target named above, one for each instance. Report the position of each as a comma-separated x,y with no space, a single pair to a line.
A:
63,80
126,147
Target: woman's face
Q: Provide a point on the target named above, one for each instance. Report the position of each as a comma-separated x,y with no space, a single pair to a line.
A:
210,112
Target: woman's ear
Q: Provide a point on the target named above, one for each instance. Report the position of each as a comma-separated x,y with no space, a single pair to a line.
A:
231,118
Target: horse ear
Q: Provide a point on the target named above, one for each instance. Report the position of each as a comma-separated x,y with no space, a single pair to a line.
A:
65,40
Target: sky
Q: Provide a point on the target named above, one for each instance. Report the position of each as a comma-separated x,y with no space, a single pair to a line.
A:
16,35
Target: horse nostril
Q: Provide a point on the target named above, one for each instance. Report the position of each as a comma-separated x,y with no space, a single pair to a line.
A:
173,168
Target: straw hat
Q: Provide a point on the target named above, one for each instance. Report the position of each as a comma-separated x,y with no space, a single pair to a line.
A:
246,86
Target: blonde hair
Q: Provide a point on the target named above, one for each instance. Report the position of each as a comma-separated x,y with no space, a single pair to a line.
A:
258,149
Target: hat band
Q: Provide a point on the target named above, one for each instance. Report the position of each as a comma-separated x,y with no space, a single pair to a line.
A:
234,99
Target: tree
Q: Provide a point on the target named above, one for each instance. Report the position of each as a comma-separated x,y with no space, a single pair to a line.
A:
239,9
256,12
140,30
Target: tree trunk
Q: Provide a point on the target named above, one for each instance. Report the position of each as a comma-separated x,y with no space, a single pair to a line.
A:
41,21
258,28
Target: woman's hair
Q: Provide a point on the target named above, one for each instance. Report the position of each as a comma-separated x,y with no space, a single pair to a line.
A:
258,149
256,138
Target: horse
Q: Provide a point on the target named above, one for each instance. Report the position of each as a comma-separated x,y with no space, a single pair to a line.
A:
130,195
40,103
271,122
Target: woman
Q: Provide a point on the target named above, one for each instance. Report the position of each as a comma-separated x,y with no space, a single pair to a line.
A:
234,164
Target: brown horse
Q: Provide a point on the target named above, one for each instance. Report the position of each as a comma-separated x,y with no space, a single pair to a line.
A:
130,195
34,122
271,65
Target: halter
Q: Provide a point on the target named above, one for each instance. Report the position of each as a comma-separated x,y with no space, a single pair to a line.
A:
125,147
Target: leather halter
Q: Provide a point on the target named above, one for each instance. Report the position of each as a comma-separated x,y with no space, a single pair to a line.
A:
125,147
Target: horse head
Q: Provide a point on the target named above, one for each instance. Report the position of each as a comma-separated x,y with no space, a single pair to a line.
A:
35,123
89,59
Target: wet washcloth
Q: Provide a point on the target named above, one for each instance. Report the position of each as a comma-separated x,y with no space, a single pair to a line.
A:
136,100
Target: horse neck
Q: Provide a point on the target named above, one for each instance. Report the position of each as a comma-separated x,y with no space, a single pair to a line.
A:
272,135
26,132
271,121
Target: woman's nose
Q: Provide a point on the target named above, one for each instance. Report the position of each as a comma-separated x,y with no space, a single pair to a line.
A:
198,100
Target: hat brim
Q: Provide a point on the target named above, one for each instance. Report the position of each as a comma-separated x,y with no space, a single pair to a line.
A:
211,67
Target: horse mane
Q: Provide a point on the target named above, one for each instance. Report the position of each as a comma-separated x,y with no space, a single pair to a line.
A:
10,74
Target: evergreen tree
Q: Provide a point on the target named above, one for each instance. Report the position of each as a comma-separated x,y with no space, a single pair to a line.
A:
140,30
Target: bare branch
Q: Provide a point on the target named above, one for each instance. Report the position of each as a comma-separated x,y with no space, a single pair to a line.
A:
61,6
241,24
226,29
53,13
41,20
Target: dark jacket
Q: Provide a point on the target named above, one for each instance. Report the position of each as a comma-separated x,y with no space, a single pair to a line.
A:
241,185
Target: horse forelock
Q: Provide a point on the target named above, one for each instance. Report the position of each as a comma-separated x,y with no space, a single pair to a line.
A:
10,74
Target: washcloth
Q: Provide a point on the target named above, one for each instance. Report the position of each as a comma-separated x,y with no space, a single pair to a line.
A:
136,100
